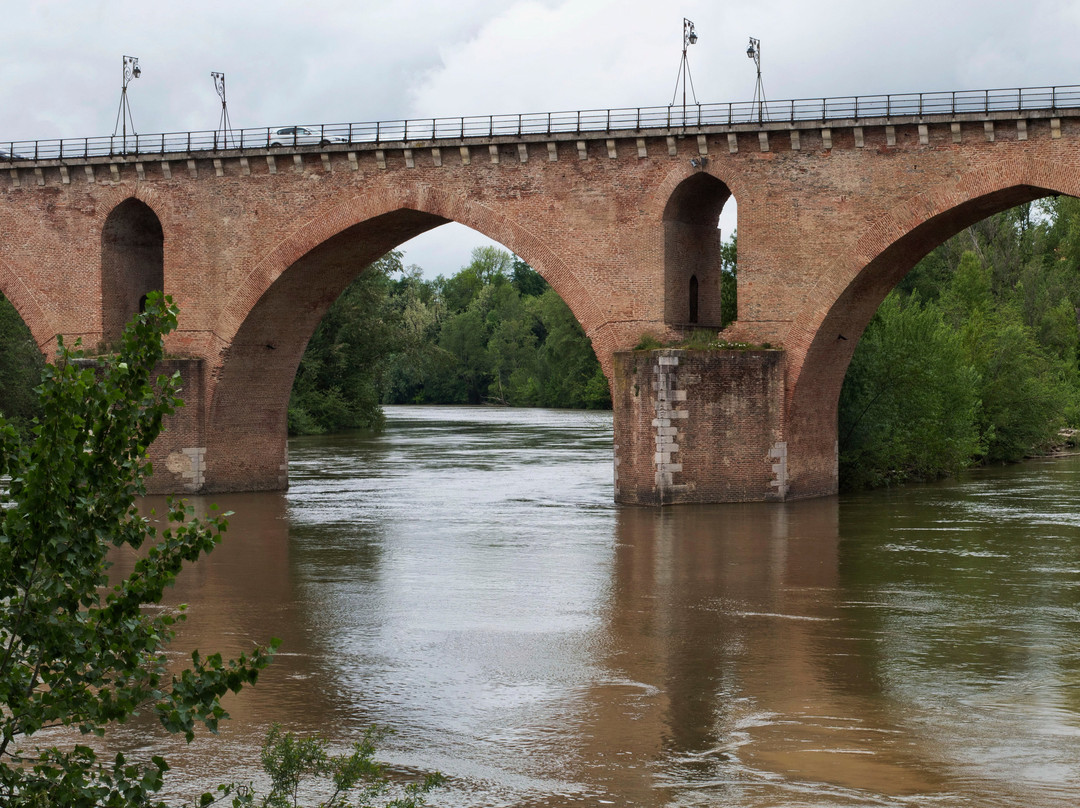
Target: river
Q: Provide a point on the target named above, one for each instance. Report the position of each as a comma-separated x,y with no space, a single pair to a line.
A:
464,578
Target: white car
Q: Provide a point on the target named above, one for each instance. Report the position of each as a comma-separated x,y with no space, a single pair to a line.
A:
301,136
6,155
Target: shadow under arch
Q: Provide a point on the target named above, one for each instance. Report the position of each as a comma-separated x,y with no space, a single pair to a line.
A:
835,317
250,386
132,263
693,265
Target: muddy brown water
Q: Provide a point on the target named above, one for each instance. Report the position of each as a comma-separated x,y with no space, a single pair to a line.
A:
464,578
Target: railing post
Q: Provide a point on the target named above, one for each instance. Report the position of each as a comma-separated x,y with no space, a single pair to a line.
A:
856,106
519,124
986,102
377,125
637,119
491,126
920,105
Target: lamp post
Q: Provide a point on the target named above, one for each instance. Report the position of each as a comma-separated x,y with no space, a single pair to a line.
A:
224,126
123,115
754,52
689,37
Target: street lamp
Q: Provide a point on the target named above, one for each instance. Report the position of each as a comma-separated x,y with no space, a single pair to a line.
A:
689,37
123,115
224,126
754,52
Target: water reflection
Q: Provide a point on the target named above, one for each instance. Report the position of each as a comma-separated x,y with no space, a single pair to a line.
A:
464,578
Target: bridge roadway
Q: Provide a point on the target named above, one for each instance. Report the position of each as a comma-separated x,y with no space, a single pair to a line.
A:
255,243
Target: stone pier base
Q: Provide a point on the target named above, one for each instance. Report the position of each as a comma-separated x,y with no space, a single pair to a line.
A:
699,426
178,455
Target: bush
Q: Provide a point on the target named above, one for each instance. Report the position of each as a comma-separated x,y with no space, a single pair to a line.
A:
77,650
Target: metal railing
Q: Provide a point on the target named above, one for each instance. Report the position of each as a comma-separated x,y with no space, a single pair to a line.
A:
820,110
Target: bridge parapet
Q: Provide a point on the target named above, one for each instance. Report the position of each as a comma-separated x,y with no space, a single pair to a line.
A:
916,132
794,114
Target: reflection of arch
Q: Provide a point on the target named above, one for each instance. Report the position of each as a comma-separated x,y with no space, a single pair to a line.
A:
132,263
823,336
692,258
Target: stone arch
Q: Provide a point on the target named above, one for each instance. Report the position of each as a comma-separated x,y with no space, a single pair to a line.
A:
274,311
692,257
132,263
356,215
24,300
822,340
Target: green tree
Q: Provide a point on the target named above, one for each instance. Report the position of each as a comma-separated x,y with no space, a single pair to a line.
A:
75,649
569,373
729,285
909,402
343,374
1023,390
304,766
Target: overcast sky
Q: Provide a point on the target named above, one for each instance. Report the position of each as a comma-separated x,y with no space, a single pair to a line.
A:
359,60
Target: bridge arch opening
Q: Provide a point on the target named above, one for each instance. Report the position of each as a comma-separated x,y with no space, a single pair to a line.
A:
249,406
815,406
132,264
693,258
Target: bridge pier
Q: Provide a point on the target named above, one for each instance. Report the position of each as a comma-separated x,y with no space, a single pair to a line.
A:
699,426
178,456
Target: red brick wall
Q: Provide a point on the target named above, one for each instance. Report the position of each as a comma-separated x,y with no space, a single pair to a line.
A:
254,249
698,426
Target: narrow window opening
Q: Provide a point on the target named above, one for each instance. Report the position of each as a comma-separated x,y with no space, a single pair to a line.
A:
693,300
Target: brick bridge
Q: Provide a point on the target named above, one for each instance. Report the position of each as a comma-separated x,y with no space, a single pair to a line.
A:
835,205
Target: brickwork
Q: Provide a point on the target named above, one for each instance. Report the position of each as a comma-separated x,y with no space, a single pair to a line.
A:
698,426
256,245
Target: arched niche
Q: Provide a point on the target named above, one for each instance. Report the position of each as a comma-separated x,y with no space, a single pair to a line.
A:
132,264
692,256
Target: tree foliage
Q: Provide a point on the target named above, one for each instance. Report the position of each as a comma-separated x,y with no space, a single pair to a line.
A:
974,357
303,771
20,368
76,649
494,332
